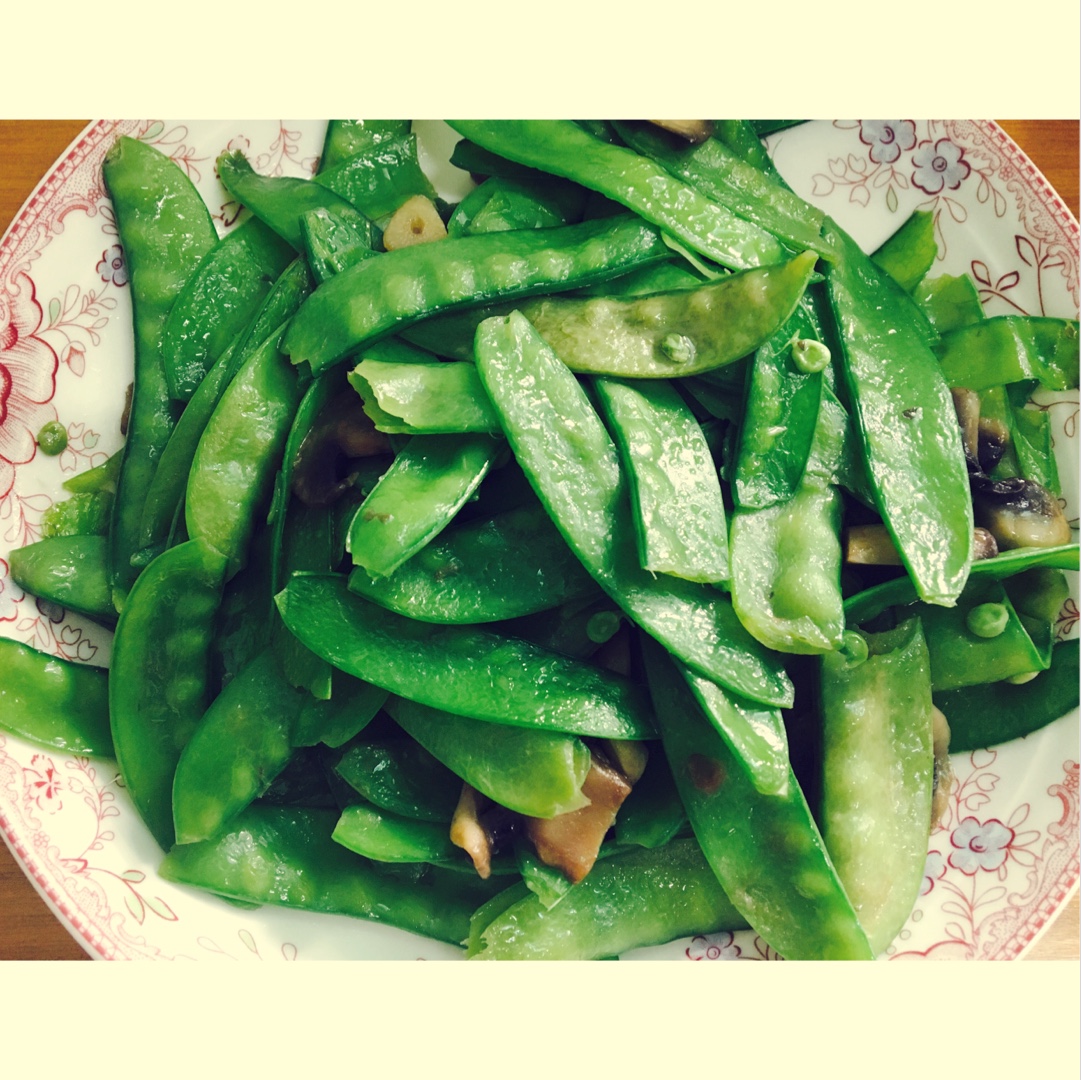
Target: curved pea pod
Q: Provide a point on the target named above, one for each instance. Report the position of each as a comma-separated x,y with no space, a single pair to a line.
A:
1009,349
84,514
378,296
711,168
537,773
159,674
907,423
571,462
461,669
351,707
741,138
949,302
428,482
563,148
239,452
239,746
53,702
676,492
993,713
218,300
278,855
501,204
69,570
386,837
630,900
910,252
513,564
348,138
877,775
400,776
421,398
165,231
766,850
653,814
335,239
100,478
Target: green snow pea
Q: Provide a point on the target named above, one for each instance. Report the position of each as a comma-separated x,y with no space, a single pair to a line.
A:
537,773
70,570
53,702
461,669
992,713
400,776
577,628
351,707
718,173
100,478
335,239
949,302
421,398
676,492
385,837
165,231
877,775
346,139
1009,349
242,742
765,849
910,252
768,127
159,673
85,514
426,485
486,570
285,856
1033,444
652,814
401,287
564,149
630,900
570,460
499,205
907,423
218,301
239,453
664,335
741,138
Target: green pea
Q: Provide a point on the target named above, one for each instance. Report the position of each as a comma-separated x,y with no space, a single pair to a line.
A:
854,647
602,626
810,356
53,438
987,620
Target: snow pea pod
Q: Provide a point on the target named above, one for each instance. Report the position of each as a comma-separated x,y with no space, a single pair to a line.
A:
159,674
766,850
461,669
399,775
285,856
676,492
563,148
71,570
500,204
712,169
346,139
571,462
653,813
630,900
239,453
86,514
401,287
741,138
385,837
993,713
537,773
240,745
425,486
53,702
218,301
1009,349
351,707
335,239
165,231
949,302
910,252
420,398
513,564
907,423
877,775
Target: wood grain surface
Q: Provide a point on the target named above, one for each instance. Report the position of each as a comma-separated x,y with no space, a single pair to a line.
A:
28,929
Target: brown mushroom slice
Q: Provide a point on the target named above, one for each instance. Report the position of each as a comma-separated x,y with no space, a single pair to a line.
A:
872,545
992,442
943,777
694,131
481,827
1019,513
984,545
628,757
570,842
342,432
966,404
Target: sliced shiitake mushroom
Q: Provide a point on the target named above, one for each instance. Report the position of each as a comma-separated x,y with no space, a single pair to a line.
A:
481,827
966,404
872,545
943,774
993,440
1019,513
694,131
343,432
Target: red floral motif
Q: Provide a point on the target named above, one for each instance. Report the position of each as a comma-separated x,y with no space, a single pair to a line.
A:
28,368
1064,624
939,166
887,139
10,595
720,946
112,267
933,870
43,785
980,845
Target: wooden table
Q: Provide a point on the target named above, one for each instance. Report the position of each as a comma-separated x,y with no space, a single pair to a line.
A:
28,929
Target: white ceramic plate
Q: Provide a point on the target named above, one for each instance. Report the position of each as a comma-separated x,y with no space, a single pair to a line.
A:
1001,864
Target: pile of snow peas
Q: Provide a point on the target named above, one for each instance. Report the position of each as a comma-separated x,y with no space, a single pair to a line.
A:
616,558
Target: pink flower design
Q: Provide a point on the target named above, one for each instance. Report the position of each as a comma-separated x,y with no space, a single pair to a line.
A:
980,846
112,268
28,368
933,870
887,139
10,595
43,783
720,946
939,166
